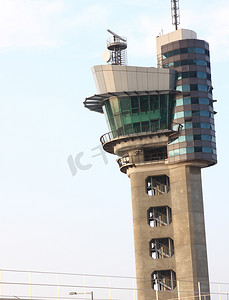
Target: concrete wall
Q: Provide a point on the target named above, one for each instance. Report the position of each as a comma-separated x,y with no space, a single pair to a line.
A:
187,229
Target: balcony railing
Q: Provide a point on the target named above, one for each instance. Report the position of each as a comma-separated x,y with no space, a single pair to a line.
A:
107,137
126,161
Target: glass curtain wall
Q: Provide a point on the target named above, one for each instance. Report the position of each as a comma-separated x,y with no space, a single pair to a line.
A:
137,114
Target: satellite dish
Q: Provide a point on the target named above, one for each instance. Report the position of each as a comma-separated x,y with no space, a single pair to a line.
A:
106,56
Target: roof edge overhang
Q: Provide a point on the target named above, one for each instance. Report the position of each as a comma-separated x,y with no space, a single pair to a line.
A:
95,102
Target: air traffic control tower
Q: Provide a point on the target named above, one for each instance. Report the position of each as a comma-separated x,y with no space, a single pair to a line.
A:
161,127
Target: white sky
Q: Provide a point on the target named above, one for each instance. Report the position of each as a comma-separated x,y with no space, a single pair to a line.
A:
49,219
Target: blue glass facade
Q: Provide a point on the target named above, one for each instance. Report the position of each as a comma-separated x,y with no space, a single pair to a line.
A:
193,103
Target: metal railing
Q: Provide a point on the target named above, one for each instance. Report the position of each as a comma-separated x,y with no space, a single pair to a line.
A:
115,134
162,219
157,188
137,159
164,283
160,250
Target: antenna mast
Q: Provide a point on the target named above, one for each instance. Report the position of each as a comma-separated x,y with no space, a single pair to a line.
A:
175,13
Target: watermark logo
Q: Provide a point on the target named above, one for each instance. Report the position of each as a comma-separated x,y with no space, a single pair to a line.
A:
75,164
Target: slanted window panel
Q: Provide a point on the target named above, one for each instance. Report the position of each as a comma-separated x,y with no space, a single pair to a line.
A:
137,127
161,248
141,113
134,105
154,103
154,125
144,103
163,280
164,111
157,185
128,129
145,126
125,105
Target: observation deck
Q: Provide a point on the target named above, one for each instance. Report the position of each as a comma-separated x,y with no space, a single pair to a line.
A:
110,139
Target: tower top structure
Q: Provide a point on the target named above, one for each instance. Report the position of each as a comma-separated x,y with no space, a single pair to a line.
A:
161,127
175,13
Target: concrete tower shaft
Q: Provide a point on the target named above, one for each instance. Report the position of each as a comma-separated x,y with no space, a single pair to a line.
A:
161,126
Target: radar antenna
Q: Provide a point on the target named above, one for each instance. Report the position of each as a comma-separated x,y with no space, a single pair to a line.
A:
175,13
116,45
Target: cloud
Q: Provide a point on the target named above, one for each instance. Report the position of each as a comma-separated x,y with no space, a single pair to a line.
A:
26,23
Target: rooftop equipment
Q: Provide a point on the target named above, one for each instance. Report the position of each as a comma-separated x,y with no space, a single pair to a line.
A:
116,50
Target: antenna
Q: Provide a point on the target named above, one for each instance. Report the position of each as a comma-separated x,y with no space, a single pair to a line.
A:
116,35
175,13
116,46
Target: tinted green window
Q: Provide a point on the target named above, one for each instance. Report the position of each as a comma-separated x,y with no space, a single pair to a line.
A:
201,75
195,113
179,88
181,139
145,126
134,104
125,104
176,151
197,137
189,137
188,125
188,113
144,106
183,88
136,114
191,50
194,100
110,115
200,50
179,75
196,125
204,113
128,129
190,150
179,102
193,87
193,74
204,101
185,50
206,137
154,103
208,76
136,127
198,149
154,125
202,88
182,151
178,115
199,62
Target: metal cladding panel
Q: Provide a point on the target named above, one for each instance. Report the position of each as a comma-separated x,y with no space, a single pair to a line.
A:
113,78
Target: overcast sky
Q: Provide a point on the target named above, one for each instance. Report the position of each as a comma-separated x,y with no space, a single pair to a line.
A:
50,219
